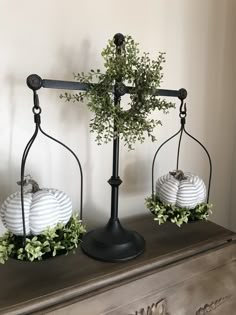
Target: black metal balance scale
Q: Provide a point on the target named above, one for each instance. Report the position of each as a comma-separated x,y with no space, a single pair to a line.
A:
113,242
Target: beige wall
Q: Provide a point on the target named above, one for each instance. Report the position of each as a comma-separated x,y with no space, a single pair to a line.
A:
55,38
232,67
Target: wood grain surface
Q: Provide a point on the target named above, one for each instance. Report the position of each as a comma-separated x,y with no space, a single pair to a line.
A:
27,288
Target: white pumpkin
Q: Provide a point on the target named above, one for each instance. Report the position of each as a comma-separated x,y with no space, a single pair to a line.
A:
43,208
185,190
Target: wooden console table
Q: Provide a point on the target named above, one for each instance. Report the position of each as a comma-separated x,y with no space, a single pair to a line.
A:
184,271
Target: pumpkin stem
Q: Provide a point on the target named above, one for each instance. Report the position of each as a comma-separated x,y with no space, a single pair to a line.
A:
178,174
29,181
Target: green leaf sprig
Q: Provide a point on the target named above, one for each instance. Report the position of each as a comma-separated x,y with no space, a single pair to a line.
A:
53,241
135,70
171,213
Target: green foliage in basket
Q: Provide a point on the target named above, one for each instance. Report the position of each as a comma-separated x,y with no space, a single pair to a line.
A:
133,69
171,213
52,242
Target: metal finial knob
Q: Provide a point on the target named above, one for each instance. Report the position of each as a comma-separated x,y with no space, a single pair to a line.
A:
34,82
182,94
119,39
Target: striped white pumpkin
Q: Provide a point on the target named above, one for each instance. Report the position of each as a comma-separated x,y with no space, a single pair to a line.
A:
44,208
185,193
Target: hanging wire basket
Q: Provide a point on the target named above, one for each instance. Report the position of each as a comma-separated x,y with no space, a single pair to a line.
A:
40,222
180,197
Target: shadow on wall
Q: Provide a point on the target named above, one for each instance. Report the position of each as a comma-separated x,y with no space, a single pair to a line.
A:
4,191
220,111
233,183
10,172
135,180
214,97
76,116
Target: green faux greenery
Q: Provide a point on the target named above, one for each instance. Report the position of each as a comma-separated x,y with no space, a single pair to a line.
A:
133,69
166,212
52,242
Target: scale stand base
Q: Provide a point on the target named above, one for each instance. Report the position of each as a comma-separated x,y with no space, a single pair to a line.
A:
113,243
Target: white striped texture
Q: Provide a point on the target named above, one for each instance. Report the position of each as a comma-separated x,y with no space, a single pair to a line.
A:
187,193
43,209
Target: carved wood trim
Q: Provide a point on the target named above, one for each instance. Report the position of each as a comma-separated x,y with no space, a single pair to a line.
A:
208,308
159,308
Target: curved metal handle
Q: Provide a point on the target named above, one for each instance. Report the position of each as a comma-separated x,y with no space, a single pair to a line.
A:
155,155
80,167
183,113
37,120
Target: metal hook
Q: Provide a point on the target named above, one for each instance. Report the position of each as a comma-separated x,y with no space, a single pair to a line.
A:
183,108
36,100
182,113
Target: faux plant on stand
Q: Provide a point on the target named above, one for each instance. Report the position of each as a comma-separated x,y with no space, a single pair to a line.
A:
144,76
126,72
